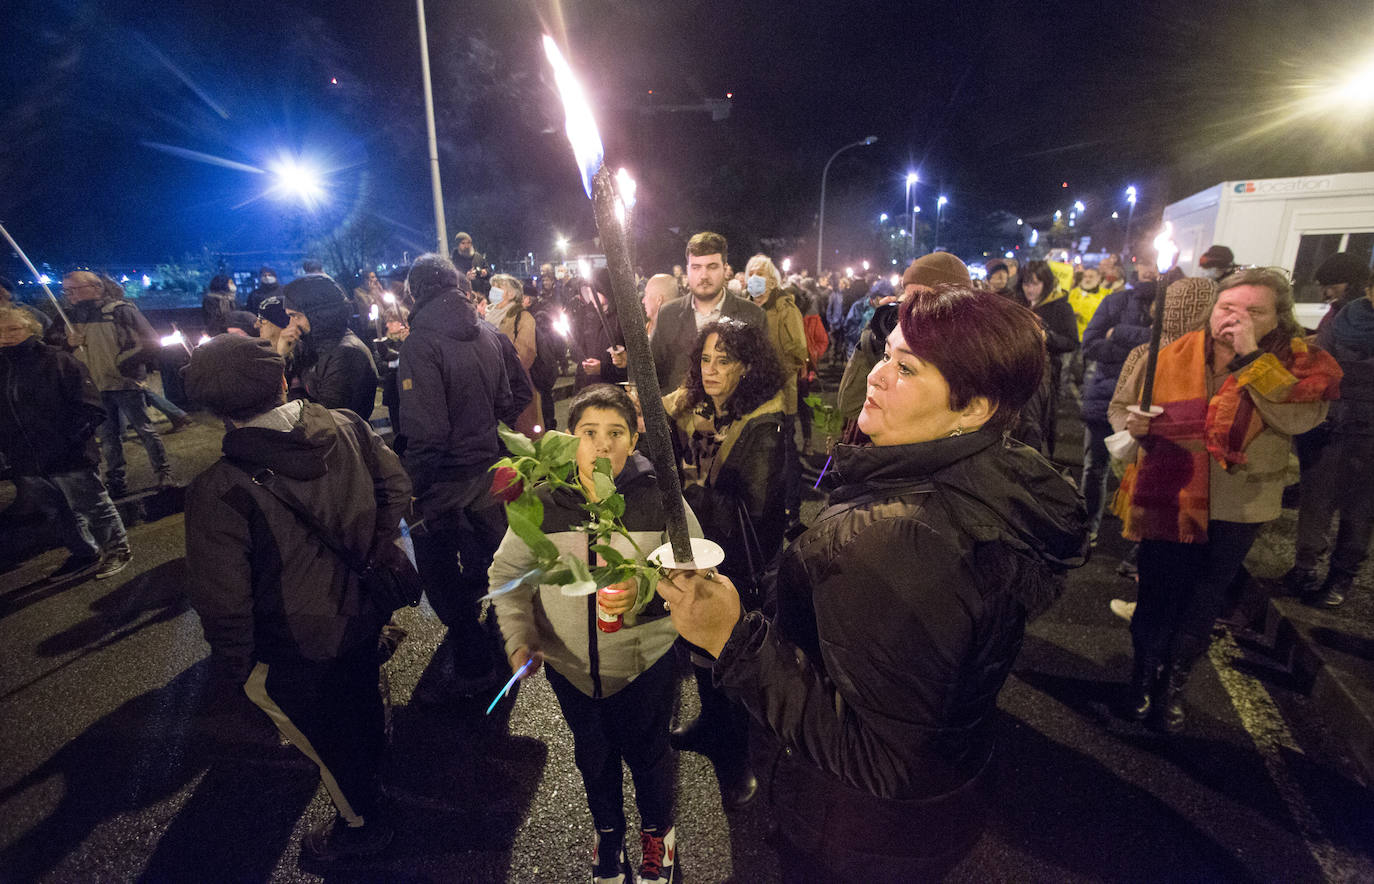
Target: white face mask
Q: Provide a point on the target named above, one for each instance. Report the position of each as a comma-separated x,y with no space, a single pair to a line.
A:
269,280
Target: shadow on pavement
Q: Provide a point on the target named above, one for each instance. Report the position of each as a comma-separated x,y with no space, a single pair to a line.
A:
145,752
155,596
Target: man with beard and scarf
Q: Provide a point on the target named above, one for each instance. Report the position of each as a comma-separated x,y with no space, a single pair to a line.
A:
287,620
455,385
335,368
471,263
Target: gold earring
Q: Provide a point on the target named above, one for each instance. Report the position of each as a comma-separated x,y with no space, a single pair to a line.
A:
957,431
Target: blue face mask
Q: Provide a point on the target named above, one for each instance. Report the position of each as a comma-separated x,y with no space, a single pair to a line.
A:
757,286
496,295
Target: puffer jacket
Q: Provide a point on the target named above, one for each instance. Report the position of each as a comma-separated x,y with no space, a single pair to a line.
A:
564,627
266,589
1349,337
1126,314
50,411
898,616
454,387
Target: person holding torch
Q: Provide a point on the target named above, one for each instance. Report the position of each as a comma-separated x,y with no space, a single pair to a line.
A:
1214,427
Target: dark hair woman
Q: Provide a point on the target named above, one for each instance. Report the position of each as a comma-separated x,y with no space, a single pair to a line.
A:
728,420
900,611
1038,288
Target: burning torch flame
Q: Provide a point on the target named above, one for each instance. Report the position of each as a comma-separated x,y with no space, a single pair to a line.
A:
172,340
561,325
1165,248
372,314
581,125
389,297
625,186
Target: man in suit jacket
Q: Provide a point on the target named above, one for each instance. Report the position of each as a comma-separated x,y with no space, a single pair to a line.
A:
675,331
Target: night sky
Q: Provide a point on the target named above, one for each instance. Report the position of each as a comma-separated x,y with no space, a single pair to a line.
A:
994,104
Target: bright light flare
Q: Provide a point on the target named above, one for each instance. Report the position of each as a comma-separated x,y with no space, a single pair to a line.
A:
896,280
175,339
580,122
1358,88
1078,206
866,265
625,186
298,179
849,271
941,202
882,218
561,325
204,339
1130,195
373,313
786,265
1165,248
561,244
388,297
584,269
146,281
911,179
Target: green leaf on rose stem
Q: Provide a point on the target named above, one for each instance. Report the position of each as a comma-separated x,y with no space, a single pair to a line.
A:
601,479
528,531
609,554
614,505
648,583
517,443
530,506
580,572
557,449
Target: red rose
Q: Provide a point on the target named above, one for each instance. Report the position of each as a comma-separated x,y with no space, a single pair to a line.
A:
507,486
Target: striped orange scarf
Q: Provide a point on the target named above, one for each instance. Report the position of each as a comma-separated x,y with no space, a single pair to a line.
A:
1164,494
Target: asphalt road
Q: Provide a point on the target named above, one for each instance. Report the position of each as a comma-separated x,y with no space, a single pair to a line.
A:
118,765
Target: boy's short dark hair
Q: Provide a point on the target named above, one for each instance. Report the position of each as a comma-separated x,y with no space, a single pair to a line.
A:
603,396
708,243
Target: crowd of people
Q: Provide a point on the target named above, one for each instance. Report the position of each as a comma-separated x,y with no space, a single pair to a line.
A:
856,660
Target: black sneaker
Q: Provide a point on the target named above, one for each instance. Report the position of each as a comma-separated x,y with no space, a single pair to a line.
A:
75,567
1333,591
658,863
1300,582
610,862
113,563
337,840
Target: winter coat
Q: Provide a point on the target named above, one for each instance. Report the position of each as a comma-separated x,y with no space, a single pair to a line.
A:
591,340
741,479
788,337
899,614
1061,335
675,333
517,325
266,589
119,343
342,375
1349,337
454,386
51,411
215,308
1084,304
1126,314
564,627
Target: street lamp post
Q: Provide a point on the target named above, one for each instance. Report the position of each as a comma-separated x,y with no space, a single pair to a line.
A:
939,210
440,229
911,179
820,225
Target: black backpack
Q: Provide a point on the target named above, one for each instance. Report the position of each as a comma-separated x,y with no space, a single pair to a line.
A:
549,348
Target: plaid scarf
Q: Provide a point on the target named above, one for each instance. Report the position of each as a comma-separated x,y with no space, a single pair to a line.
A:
1164,494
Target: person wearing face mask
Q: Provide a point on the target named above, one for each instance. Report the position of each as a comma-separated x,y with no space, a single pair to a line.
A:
267,287
508,311
788,337
615,687
1217,262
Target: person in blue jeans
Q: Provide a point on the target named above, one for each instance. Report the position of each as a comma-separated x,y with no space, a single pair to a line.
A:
47,440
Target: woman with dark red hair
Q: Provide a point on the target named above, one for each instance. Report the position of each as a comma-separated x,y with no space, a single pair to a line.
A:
899,612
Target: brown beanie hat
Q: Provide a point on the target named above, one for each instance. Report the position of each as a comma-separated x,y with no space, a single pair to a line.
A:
229,373
937,268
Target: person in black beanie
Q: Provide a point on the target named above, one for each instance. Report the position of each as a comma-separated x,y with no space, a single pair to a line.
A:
288,623
335,368
454,384
267,287
1343,278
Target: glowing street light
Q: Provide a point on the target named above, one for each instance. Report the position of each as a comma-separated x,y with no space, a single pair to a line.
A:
882,219
911,180
1130,216
1078,206
298,179
866,265
562,245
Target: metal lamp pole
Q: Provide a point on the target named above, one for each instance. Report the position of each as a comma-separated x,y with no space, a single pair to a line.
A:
820,226
433,141
1130,215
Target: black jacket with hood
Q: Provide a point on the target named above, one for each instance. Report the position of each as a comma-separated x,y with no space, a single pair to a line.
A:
50,412
898,616
265,587
454,386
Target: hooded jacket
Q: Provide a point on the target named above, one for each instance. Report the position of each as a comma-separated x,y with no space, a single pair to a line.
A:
454,386
788,337
1126,315
50,411
564,627
899,615
119,343
266,589
1349,337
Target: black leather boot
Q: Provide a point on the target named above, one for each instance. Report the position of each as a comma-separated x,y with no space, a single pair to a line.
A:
701,733
1144,676
1169,701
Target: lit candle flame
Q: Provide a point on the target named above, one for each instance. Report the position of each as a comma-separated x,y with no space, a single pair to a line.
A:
581,124
1165,248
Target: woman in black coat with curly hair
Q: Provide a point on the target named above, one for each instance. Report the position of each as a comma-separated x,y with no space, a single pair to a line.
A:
727,421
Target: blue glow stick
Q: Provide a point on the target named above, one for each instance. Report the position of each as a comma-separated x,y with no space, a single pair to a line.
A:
513,679
823,470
